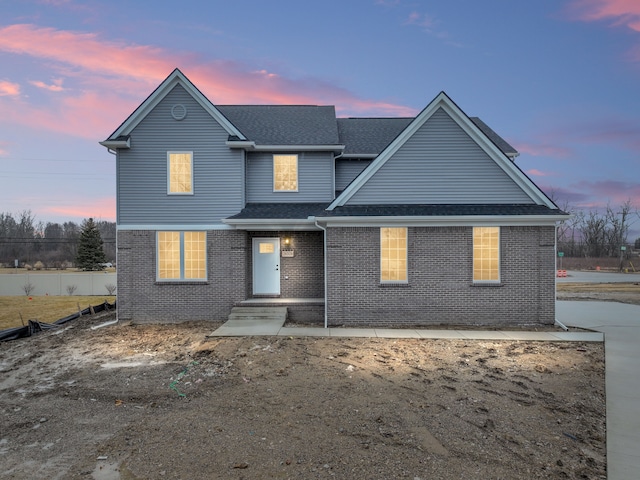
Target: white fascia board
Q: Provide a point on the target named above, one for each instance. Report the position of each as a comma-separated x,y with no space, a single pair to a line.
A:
172,227
444,102
271,224
175,78
365,156
444,221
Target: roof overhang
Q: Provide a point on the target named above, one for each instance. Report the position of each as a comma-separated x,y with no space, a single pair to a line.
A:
252,146
114,144
443,221
272,224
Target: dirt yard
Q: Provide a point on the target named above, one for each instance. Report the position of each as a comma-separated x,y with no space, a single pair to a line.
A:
164,401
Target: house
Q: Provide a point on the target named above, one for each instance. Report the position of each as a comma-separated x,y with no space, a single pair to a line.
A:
346,221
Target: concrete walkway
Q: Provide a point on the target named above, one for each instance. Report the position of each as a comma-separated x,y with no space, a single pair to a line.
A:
241,328
620,324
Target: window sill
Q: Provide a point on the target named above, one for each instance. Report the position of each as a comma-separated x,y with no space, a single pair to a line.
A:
182,282
487,284
394,284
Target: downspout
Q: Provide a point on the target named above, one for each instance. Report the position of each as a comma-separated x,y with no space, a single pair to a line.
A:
555,278
324,246
115,153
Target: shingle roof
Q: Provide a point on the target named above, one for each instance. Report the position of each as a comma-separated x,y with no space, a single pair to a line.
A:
280,211
369,136
301,211
500,142
284,124
441,210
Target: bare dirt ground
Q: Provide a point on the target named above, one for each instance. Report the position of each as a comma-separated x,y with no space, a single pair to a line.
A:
164,401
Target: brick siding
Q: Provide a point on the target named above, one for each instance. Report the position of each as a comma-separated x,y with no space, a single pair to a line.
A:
440,288
142,299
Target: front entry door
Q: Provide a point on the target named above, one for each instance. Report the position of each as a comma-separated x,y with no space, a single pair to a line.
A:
266,266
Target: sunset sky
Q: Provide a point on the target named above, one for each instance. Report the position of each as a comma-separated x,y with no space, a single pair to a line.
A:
558,79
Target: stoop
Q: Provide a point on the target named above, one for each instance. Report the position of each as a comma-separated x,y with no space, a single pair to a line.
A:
258,313
244,321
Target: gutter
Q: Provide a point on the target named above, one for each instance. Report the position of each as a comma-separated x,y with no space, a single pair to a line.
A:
324,246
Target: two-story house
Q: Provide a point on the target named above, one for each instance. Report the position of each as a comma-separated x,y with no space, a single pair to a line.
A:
347,221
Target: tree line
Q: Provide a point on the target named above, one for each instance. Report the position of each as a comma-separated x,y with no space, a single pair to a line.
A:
54,245
599,233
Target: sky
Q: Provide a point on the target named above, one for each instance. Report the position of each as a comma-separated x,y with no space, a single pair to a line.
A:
558,79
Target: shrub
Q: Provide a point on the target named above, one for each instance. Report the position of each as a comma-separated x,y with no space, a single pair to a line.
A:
111,288
28,288
28,267
38,265
71,289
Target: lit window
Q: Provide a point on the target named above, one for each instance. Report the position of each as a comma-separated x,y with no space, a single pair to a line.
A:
180,173
285,173
182,256
393,254
486,254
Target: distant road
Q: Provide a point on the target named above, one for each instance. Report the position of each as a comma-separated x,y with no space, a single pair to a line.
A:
599,277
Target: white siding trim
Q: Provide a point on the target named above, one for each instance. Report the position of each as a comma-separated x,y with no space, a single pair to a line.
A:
164,227
443,221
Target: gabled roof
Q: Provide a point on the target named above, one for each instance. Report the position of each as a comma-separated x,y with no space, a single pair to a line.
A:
175,78
284,124
442,101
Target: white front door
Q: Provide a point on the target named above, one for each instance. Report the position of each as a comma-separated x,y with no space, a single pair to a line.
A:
266,266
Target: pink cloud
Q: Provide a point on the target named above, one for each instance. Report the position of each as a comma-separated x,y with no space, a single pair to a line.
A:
9,89
101,208
56,86
543,149
623,12
3,148
112,65
534,172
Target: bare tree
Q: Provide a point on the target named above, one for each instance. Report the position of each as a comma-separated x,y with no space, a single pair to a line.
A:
28,288
71,289
111,288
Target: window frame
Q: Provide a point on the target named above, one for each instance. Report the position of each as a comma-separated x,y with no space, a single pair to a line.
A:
182,258
179,152
404,281
497,257
297,158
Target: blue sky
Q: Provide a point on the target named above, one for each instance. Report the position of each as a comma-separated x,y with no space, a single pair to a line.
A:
557,79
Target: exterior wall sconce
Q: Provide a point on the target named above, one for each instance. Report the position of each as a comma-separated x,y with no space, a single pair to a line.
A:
287,241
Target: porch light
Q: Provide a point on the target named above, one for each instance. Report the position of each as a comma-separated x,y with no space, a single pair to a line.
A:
287,241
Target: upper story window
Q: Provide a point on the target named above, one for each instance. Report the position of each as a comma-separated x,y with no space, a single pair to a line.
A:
180,173
181,256
285,173
486,254
393,255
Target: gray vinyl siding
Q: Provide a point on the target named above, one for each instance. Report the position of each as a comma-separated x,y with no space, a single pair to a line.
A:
218,172
315,178
440,164
348,170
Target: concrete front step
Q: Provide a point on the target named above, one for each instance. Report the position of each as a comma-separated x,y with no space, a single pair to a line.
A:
256,313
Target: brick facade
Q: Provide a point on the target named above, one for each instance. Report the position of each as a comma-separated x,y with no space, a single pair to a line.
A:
142,299
440,288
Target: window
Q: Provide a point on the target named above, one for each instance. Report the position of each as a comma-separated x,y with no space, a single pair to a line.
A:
486,254
180,173
285,173
182,256
393,254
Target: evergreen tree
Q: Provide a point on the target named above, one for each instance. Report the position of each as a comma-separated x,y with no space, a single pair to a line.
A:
90,252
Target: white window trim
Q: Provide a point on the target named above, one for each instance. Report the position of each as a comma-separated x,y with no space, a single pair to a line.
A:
273,167
487,282
173,152
406,251
182,277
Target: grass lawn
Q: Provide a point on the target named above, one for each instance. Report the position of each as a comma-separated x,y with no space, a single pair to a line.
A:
44,308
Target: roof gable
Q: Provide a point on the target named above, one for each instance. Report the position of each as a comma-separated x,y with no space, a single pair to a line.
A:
444,104
175,78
